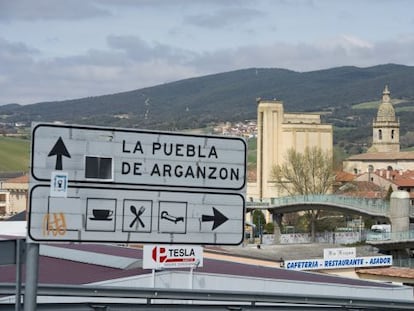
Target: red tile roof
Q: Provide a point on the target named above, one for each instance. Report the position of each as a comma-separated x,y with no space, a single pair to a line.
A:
24,179
383,156
407,273
341,176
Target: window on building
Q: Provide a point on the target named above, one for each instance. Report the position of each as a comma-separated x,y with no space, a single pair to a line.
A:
392,134
380,134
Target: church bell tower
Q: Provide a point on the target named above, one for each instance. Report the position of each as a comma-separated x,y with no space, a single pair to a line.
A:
385,127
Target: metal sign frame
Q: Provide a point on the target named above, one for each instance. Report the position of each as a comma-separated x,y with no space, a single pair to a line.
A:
78,191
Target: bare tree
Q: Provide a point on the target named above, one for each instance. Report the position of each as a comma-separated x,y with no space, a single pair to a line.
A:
307,173
310,172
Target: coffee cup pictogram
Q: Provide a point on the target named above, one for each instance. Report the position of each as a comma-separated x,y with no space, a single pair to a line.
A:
102,214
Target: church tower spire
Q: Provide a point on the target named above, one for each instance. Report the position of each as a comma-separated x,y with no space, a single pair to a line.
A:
386,127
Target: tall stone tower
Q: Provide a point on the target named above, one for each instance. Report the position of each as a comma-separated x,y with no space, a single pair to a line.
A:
385,127
277,133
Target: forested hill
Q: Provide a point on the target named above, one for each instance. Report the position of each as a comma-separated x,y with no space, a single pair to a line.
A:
231,96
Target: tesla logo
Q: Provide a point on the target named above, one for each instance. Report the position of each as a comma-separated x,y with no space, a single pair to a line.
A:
163,256
159,254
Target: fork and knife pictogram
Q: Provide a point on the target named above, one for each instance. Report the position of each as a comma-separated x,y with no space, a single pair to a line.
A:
137,215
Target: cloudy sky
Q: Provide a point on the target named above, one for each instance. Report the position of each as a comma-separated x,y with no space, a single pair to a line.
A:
66,49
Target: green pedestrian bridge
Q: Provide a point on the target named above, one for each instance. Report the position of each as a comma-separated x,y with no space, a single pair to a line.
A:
368,207
377,208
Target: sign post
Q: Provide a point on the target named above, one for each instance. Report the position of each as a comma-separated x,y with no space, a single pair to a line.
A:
97,184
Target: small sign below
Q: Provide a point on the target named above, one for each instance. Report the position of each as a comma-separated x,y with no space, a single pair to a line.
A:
172,256
104,214
339,253
59,184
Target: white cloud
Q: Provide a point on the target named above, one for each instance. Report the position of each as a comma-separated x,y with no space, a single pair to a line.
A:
132,63
49,10
58,49
224,17
139,50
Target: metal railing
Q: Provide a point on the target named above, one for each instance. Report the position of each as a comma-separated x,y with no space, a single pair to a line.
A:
234,300
376,206
391,236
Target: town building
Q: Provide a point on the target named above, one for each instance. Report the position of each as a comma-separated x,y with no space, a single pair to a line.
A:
13,195
384,154
277,132
390,179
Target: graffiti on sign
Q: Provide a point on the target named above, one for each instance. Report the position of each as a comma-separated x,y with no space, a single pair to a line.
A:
54,223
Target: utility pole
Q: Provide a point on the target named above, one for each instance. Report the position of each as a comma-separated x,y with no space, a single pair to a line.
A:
32,273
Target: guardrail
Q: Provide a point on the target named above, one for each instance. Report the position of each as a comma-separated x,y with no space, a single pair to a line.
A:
236,300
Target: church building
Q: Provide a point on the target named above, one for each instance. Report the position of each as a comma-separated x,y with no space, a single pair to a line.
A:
384,154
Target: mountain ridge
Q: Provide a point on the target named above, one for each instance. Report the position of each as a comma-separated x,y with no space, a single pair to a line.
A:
231,96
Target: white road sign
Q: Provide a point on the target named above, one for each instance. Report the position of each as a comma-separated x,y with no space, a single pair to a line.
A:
102,214
342,252
172,256
97,184
134,157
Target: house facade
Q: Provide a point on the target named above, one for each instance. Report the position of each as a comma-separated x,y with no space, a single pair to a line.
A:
13,195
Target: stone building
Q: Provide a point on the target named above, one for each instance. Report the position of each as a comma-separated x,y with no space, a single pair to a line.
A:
384,154
277,132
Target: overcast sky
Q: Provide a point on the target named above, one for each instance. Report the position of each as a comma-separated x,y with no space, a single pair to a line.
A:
66,49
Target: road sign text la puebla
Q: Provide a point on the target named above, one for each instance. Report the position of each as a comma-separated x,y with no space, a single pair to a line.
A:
91,157
139,158
181,151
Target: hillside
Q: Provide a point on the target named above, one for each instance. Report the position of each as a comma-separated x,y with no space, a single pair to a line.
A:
14,154
231,96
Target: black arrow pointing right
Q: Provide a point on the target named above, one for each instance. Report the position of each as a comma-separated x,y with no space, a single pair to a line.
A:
217,218
59,150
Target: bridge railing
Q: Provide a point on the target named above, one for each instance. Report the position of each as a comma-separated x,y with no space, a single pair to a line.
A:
391,236
378,206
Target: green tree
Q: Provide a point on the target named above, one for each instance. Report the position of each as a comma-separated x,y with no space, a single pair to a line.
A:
259,220
307,173
269,227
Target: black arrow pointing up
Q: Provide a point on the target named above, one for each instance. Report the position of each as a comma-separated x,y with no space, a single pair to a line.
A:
218,218
59,150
